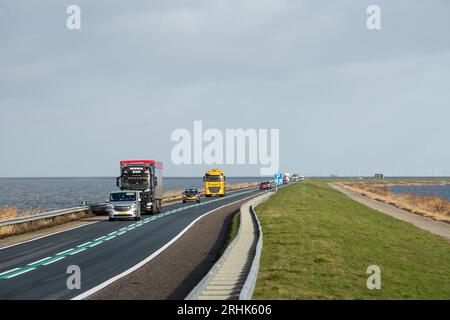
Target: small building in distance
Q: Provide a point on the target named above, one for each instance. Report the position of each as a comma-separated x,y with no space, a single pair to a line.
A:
379,176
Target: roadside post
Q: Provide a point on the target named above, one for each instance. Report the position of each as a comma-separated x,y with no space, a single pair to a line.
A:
304,193
278,177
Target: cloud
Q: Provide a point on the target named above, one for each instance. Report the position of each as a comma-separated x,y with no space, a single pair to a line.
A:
338,92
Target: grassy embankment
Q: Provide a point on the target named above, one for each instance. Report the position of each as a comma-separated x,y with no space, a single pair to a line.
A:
321,250
427,205
232,232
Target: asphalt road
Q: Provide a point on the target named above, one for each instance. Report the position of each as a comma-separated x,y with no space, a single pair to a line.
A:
38,269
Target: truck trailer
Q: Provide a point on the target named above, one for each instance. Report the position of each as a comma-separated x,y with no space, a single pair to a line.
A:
144,176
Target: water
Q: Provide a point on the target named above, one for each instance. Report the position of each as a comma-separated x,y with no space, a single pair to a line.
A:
442,191
57,193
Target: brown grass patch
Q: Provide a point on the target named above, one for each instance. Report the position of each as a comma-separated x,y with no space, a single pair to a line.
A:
8,213
427,205
15,229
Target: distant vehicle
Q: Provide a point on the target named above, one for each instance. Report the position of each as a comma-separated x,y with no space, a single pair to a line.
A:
286,178
214,183
301,178
265,186
124,205
191,195
295,177
144,176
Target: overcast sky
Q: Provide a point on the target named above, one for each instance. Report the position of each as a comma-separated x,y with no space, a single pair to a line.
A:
347,100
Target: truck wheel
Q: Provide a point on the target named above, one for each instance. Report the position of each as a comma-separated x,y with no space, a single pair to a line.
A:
111,219
159,206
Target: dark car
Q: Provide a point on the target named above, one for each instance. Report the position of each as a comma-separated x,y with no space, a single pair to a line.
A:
191,195
264,186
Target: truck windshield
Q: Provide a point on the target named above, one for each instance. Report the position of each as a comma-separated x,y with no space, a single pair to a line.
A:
123,196
133,182
213,178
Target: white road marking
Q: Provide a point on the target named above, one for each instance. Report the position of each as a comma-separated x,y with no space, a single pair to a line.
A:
19,273
152,256
50,262
58,254
82,245
95,244
75,252
12,270
48,235
36,262
110,236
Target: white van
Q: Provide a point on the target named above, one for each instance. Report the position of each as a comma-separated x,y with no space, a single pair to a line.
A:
124,204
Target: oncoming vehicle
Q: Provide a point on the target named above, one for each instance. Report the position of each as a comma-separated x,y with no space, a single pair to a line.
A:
214,183
144,176
264,186
191,195
124,205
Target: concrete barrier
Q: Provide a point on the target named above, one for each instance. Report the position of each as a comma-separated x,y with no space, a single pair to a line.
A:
234,275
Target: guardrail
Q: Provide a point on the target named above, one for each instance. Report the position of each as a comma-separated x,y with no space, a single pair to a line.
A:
234,275
44,215
98,208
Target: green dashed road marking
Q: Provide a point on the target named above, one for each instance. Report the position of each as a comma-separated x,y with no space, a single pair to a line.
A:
46,261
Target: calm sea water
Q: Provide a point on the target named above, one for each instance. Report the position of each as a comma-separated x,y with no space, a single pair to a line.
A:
437,190
57,193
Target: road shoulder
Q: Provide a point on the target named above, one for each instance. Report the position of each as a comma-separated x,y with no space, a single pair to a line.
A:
34,235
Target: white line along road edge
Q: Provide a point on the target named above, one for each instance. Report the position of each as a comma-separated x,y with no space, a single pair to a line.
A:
103,285
225,276
48,235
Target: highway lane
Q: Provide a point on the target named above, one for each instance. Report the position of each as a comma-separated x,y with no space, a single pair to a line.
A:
37,269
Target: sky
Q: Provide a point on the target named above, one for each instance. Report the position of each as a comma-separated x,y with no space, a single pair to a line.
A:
347,100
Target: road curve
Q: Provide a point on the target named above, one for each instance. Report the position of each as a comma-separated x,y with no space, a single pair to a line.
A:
102,250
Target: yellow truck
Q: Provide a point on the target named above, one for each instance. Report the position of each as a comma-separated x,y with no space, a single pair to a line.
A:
214,183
